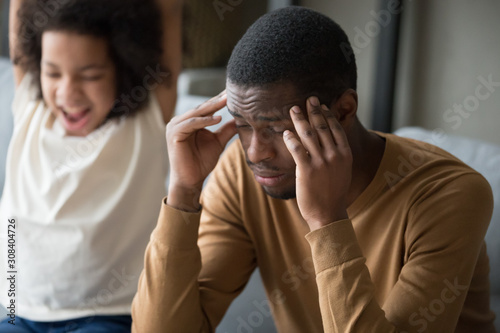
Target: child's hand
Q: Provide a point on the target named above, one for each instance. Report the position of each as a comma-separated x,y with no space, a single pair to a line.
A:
194,151
324,161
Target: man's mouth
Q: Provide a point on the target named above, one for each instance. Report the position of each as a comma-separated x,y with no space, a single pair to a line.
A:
268,178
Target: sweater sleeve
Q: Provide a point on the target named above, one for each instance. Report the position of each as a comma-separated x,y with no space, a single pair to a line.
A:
445,232
186,285
167,298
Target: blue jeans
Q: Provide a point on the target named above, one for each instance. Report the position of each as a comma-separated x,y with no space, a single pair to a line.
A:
97,324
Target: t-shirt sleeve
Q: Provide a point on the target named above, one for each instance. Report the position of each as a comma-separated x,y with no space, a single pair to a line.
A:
25,94
445,233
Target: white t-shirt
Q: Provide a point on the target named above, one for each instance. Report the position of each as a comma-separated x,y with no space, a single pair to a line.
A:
84,209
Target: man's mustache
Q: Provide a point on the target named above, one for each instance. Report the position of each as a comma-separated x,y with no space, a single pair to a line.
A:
262,166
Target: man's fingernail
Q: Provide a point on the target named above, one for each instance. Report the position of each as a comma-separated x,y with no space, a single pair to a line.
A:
314,101
295,109
324,107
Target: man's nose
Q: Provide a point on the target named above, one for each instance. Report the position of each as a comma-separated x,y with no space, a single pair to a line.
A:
261,147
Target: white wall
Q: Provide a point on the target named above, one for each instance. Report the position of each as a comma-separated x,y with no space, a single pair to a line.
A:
275,4
446,46
454,44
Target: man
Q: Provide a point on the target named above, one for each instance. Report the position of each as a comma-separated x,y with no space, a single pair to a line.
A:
353,230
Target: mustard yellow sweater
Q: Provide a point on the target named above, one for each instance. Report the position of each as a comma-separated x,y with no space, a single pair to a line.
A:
410,258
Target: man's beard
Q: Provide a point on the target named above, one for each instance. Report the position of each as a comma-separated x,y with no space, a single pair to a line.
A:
287,195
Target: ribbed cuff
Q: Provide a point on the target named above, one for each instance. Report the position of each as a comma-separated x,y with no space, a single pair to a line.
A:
333,244
177,228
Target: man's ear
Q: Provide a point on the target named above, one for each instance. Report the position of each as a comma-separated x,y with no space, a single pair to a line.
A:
346,106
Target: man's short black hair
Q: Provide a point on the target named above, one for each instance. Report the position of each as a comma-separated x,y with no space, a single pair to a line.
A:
296,45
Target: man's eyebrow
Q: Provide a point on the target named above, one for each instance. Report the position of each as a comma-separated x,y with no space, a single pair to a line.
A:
261,118
270,119
234,114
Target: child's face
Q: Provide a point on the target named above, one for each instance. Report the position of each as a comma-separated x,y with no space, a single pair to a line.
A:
78,80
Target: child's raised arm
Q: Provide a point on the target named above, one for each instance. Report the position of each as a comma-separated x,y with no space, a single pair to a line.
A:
15,56
172,54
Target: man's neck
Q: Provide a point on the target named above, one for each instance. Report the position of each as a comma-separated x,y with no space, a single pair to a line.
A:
367,150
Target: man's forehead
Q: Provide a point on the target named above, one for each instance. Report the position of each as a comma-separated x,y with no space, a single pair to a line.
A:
261,115
266,103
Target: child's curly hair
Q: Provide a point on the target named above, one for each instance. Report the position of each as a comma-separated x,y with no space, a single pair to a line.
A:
132,29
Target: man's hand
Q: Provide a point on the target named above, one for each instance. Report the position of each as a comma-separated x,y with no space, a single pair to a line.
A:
324,164
194,151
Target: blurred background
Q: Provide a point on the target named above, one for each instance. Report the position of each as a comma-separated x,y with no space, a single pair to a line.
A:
422,59
431,64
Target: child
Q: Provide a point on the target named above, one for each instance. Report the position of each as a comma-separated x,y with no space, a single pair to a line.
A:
95,85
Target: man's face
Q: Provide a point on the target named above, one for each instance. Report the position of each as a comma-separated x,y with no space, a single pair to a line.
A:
261,115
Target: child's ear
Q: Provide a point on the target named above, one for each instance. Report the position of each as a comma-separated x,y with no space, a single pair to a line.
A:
346,106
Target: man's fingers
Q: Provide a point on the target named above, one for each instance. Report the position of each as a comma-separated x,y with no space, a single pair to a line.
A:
226,132
337,131
295,147
186,128
305,131
207,108
318,122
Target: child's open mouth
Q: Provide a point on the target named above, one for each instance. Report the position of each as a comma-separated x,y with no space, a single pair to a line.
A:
75,121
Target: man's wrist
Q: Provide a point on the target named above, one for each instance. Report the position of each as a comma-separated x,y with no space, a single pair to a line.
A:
185,199
319,223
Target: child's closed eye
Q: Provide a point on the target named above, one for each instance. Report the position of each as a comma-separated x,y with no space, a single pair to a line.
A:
52,75
92,78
